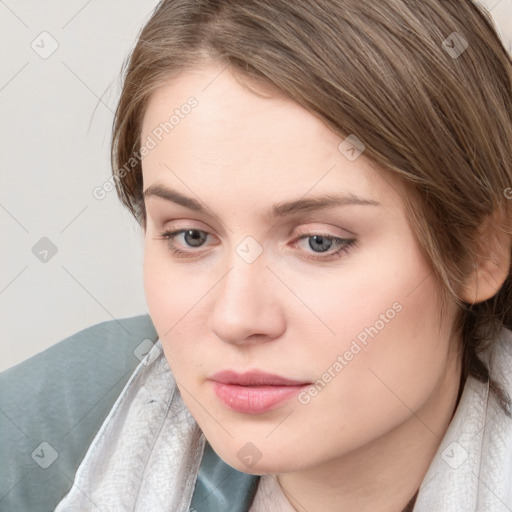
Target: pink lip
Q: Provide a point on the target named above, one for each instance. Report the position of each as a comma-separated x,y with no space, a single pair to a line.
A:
254,392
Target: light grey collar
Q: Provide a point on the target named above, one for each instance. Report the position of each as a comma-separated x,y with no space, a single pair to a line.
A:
472,469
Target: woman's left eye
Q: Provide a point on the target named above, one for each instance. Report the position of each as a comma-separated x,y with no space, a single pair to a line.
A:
324,243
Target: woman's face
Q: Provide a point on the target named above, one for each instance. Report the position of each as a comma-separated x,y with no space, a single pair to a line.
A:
298,261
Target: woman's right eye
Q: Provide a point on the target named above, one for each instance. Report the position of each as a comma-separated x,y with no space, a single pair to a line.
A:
192,237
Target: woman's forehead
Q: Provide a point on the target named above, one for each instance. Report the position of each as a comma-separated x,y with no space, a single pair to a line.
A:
239,139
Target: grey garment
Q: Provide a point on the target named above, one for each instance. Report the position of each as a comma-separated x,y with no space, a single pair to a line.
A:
219,487
53,404
147,455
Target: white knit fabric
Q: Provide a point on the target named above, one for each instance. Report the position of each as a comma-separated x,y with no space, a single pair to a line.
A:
147,453
472,470
146,456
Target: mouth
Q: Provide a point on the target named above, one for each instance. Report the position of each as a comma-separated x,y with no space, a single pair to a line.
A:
254,392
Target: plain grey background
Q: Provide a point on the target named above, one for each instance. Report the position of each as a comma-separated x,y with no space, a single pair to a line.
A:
69,260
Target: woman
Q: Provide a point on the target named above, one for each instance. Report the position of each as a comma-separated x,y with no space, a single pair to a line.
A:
324,193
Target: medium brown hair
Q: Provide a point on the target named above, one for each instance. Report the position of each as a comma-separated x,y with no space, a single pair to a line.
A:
385,71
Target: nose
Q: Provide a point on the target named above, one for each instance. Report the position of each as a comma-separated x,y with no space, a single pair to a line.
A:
246,306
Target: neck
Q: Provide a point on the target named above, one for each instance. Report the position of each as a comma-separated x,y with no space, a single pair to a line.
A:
385,474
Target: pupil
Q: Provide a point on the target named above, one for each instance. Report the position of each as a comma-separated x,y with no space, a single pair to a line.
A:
322,241
195,236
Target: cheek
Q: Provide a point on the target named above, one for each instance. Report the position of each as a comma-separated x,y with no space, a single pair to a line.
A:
389,351
157,284
175,299
377,294
169,287
386,298
161,285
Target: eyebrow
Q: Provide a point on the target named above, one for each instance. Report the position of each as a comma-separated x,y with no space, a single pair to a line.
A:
281,209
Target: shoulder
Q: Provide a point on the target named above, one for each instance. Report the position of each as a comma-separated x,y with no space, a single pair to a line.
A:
53,404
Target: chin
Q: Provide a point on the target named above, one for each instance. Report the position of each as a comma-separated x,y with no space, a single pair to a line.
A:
248,458
260,468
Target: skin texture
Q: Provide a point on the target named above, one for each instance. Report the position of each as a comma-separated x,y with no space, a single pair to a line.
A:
366,439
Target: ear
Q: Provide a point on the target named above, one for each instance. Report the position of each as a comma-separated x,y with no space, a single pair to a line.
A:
492,265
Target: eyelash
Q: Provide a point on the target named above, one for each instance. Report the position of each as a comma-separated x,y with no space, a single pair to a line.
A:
346,244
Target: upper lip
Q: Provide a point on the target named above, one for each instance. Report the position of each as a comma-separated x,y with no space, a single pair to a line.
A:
254,378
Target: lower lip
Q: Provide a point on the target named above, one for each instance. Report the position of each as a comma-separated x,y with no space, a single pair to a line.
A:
255,399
